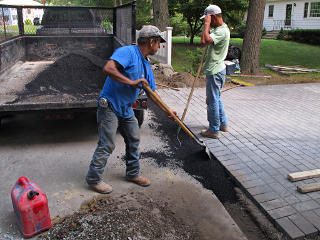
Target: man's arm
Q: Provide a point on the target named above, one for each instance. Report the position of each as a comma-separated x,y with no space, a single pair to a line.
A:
205,36
112,70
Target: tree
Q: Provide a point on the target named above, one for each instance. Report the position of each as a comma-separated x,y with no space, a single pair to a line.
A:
160,14
252,37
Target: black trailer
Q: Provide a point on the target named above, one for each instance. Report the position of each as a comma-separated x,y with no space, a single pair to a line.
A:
55,67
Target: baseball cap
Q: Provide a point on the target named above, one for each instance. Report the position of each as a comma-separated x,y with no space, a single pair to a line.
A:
211,10
151,31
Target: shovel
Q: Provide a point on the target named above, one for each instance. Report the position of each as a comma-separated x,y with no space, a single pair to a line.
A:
168,110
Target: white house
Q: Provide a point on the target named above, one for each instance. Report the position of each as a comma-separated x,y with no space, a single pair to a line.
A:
298,14
10,14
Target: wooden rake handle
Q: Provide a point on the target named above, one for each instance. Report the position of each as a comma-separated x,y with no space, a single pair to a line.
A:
155,96
194,83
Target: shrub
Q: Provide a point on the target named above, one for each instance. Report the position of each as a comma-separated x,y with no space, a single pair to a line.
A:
180,26
240,30
108,26
27,22
281,34
195,59
264,32
310,36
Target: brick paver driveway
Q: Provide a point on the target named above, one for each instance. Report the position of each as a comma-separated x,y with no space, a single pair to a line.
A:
274,130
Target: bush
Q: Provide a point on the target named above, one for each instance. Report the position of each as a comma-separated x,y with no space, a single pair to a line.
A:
107,26
239,30
281,35
195,59
180,26
310,36
264,32
235,35
27,22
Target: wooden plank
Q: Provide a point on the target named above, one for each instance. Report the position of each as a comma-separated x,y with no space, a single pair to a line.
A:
268,66
309,187
297,176
296,69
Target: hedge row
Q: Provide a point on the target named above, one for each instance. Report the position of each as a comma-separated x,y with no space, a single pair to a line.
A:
310,36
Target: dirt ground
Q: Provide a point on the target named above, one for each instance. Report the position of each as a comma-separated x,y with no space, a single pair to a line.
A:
130,216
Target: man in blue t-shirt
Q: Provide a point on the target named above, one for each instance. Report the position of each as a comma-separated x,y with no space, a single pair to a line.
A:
127,69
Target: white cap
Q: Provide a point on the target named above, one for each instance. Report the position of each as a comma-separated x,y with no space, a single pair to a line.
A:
211,10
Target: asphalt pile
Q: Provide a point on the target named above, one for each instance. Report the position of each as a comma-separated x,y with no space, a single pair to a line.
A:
72,74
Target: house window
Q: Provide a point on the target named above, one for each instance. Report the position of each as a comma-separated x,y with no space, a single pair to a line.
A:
315,9
271,8
306,8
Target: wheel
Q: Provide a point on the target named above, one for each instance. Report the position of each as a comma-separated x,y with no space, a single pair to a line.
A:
140,116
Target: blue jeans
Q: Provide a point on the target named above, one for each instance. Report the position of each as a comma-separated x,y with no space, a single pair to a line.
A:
108,124
215,111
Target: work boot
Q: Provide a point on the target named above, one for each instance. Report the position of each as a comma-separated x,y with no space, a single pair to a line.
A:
142,181
224,128
102,188
207,133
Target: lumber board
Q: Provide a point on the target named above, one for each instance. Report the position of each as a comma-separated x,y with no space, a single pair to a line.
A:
296,69
309,187
297,176
268,66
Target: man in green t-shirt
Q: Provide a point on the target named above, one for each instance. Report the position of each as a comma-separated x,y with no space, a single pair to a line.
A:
215,69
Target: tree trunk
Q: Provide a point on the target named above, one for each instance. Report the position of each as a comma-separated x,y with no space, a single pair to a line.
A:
151,10
252,38
161,14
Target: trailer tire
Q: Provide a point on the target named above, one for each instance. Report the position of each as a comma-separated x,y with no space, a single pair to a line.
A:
140,116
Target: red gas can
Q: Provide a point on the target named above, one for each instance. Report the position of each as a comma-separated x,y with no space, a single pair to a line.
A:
30,206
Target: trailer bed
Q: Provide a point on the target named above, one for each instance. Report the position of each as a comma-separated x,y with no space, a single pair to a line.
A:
73,81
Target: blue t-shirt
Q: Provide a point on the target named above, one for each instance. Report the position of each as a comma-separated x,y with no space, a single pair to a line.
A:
135,66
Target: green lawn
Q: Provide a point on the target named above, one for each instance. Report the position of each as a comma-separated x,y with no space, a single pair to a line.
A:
14,29
274,52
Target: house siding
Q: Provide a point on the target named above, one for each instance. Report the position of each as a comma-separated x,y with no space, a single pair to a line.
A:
297,17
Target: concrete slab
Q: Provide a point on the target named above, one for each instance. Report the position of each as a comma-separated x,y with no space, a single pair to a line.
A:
274,130
56,156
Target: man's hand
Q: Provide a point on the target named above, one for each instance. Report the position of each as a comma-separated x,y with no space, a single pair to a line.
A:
207,19
138,83
172,116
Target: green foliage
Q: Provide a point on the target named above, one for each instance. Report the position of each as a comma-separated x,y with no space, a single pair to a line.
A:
180,26
192,11
240,29
107,26
310,36
28,22
143,9
281,35
194,56
264,32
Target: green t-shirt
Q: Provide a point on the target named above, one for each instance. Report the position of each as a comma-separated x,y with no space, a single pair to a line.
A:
217,51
